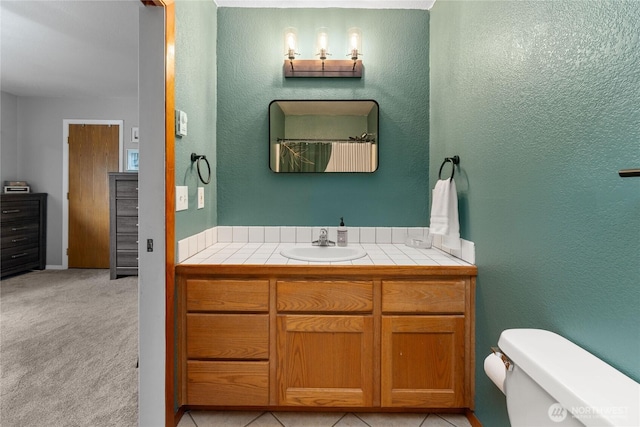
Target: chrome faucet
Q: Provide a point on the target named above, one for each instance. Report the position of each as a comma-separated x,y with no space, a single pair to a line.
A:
323,239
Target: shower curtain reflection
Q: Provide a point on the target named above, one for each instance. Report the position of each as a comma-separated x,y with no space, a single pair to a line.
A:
304,156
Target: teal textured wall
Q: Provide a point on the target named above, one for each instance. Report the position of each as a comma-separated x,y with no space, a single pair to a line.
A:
250,59
540,100
195,94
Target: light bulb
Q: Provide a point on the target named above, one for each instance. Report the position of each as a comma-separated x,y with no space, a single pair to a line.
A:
290,42
355,42
322,43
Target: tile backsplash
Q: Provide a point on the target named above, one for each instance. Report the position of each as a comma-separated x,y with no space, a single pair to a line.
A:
190,246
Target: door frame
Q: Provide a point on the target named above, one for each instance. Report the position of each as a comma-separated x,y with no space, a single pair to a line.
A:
65,172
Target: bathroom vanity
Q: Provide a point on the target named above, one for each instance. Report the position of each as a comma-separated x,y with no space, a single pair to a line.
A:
377,337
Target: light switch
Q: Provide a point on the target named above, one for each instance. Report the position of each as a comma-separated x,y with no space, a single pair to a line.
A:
181,123
200,197
182,198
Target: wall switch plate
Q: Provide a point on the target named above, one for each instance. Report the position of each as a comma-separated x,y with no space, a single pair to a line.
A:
182,198
181,123
200,197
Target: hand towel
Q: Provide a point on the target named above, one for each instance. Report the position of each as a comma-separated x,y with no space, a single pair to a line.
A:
444,213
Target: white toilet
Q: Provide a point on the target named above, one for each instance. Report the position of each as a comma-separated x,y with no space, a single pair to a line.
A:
550,381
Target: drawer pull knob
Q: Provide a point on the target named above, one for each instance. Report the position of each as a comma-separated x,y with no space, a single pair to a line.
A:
137,208
137,225
18,228
19,240
8,211
19,255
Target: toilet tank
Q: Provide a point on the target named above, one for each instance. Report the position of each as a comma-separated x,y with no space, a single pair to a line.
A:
594,392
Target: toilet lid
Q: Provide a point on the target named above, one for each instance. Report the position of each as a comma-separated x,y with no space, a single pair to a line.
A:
593,391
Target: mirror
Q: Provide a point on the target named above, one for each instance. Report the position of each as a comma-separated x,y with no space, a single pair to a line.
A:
323,136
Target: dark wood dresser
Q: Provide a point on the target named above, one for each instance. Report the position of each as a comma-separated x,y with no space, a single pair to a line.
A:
123,223
24,232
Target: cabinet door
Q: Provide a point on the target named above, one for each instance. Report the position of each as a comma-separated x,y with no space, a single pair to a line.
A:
422,361
325,360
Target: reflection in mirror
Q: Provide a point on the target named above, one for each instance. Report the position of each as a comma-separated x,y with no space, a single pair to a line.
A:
323,136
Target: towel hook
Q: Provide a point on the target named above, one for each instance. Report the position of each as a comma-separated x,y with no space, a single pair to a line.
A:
197,157
454,161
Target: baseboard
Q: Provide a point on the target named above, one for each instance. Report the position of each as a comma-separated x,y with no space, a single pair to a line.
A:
54,267
177,417
475,422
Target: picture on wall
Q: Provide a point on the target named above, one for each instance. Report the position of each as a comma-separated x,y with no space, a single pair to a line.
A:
132,159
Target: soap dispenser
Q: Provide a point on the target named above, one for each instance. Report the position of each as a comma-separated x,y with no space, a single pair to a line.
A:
342,233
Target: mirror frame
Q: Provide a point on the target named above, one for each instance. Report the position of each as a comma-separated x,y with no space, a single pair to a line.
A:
319,107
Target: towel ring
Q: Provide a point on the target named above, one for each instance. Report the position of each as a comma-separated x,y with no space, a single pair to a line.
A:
196,158
454,161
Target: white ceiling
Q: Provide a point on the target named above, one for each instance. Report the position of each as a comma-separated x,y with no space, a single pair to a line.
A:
69,48
89,48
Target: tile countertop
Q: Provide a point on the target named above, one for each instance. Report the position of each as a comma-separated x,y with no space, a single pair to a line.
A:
269,254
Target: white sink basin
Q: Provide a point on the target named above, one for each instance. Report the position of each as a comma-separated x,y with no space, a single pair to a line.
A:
323,253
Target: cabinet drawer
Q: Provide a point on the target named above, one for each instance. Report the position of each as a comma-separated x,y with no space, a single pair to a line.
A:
19,256
227,336
228,295
127,242
227,383
127,207
325,296
437,296
126,271
20,210
20,234
127,258
127,224
13,243
127,188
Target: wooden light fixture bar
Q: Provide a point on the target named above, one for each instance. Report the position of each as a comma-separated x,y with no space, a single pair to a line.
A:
332,68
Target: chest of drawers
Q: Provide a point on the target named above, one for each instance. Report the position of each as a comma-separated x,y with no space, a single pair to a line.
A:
24,232
123,223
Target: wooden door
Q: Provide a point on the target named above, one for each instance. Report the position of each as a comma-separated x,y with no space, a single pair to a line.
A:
325,360
423,361
93,153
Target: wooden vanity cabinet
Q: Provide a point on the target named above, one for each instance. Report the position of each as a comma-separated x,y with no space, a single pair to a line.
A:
325,350
423,343
370,337
225,328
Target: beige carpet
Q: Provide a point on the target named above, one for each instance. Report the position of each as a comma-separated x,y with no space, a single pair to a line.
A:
68,349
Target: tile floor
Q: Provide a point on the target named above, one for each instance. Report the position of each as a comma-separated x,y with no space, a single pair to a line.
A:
319,419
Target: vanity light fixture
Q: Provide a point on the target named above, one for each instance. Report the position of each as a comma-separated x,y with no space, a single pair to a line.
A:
291,44
323,67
